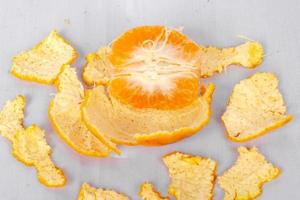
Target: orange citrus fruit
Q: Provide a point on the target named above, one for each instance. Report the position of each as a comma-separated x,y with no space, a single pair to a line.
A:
154,68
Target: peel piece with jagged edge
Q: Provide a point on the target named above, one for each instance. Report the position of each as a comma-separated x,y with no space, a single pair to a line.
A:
110,119
45,61
192,177
65,116
98,69
12,117
244,180
31,148
29,145
166,46
88,192
148,192
255,107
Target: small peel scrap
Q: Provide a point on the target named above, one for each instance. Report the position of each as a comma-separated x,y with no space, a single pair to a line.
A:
88,192
213,60
255,107
31,148
98,68
65,116
45,61
111,120
29,145
244,180
192,177
148,192
12,117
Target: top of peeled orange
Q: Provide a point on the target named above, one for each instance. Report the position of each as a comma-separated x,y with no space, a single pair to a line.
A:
154,67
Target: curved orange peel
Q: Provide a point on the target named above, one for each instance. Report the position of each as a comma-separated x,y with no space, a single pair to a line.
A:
148,192
109,119
98,69
64,114
255,107
29,145
44,62
88,192
192,177
12,117
245,179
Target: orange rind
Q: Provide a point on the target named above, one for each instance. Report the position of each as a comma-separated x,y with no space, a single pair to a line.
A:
31,148
255,107
12,117
110,119
148,192
88,192
192,177
245,179
45,61
65,116
98,68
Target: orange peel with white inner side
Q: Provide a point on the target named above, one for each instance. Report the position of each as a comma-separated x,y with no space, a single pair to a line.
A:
192,177
245,179
148,192
255,107
45,61
65,116
110,119
88,192
29,145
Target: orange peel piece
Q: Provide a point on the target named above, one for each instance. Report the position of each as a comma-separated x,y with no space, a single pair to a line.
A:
88,192
98,69
12,117
65,116
244,180
31,148
213,60
45,61
111,120
148,192
192,177
29,145
255,107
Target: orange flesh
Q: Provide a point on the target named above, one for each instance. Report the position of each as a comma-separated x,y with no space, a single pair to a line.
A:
154,68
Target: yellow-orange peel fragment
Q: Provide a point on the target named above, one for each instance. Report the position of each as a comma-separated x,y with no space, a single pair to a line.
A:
192,177
12,117
88,192
31,148
255,107
98,68
65,116
112,120
148,192
45,61
29,145
244,180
